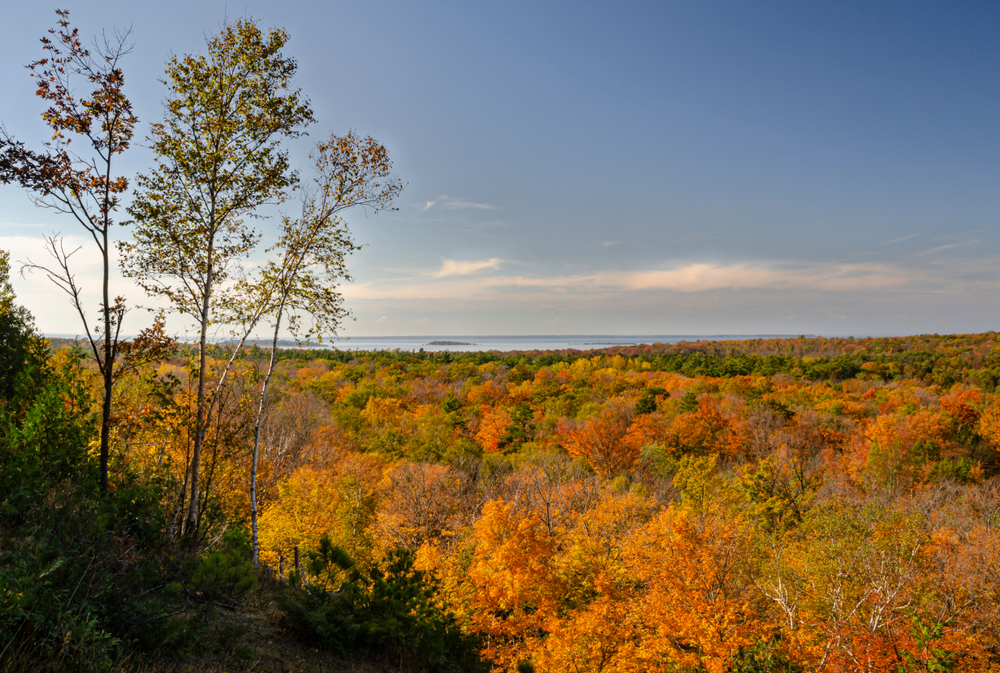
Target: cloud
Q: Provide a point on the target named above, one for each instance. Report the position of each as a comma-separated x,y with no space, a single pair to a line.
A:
449,203
452,281
454,267
939,248
458,204
698,277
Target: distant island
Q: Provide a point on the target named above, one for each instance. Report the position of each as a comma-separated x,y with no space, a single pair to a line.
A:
449,343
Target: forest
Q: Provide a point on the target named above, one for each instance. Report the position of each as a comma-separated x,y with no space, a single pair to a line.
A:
803,504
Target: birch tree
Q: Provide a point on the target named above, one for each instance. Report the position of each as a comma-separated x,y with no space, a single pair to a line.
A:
307,264
218,159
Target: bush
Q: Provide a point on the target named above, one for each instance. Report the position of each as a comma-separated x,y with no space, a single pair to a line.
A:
78,572
226,573
388,610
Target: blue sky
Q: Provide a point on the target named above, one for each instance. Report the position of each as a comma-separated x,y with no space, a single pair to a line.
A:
629,168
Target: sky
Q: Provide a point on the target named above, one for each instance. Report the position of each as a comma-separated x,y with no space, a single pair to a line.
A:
610,168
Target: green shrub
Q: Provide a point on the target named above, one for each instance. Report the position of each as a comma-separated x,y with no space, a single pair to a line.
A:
78,572
389,610
226,573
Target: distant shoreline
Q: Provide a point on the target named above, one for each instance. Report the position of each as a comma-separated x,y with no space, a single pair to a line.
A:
462,343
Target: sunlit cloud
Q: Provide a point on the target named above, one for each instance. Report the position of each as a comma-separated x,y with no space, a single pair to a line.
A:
454,281
454,267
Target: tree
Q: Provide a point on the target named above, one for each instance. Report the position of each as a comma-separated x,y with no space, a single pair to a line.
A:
84,187
22,350
352,172
218,160
608,442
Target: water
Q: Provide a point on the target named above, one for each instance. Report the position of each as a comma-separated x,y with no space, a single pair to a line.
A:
527,342
581,342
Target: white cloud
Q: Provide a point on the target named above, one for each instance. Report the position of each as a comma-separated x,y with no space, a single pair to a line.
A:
454,267
449,203
457,204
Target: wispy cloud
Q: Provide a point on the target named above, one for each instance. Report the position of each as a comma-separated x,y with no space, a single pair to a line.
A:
450,203
454,267
454,280
697,277
931,251
457,205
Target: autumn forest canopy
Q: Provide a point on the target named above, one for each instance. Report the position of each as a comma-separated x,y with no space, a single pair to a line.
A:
800,504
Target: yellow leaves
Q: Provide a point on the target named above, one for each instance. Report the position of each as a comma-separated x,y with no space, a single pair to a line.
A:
522,392
381,411
338,501
302,514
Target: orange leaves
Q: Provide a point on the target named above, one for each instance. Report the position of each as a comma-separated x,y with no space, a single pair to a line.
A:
963,406
708,429
609,442
989,424
492,428
600,637
511,587
900,445
700,606
489,393
421,503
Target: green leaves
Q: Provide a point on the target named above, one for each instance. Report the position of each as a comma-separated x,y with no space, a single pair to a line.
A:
218,160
